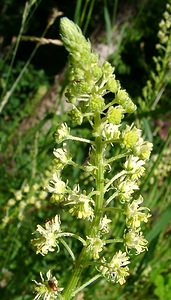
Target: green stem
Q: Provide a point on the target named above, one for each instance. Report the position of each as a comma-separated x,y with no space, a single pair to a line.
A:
69,234
111,198
115,178
79,139
99,163
119,156
68,249
86,284
83,259
79,266
111,241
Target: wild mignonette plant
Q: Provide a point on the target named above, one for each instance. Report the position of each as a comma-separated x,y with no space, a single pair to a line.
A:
160,77
96,98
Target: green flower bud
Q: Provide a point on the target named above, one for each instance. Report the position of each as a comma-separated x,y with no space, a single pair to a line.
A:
112,85
72,37
76,116
123,99
97,73
70,97
107,70
96,103
131,137
145,150
129,107
76,74
115,115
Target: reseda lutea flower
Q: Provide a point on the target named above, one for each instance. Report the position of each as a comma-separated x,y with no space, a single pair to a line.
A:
134,239
116,162
94,246
48,236
48,288
117,269
135,214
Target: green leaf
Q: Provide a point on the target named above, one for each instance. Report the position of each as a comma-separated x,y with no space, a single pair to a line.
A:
160,224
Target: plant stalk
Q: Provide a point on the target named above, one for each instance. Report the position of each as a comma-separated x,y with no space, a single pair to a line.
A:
84,257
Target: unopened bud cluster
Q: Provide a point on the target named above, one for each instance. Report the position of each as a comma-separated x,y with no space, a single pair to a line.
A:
30,195
161,74
163,169
89,83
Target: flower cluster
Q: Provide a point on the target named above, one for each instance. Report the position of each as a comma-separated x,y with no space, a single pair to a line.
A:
89,83
128,184
163,169
155,86
29,195
165,26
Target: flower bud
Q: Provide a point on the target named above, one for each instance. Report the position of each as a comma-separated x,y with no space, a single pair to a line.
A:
145,150
131,137
107,70
112,85
123,99
96,103
115,115
76,116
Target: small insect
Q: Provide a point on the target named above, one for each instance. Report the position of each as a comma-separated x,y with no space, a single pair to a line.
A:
48,221
52,285
76,81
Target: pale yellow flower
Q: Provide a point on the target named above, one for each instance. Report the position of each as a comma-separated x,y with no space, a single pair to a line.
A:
48,289
116,270
134,239
48,236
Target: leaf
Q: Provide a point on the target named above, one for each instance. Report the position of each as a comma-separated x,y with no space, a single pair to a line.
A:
160,224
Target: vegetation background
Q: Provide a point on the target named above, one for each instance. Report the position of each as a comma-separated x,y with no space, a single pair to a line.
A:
33,68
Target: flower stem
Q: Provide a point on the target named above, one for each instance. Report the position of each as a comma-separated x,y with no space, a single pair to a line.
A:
84,257
86,284
79,139
123,172
79,266
69,234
